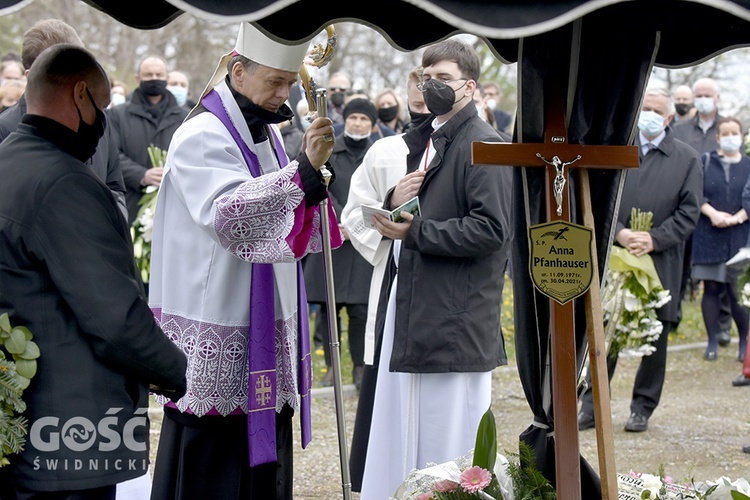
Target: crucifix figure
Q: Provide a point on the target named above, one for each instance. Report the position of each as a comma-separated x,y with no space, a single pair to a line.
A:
559,176
562,325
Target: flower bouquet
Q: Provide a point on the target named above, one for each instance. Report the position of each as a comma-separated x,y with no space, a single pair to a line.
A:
480,474
143,226
15,377
631,297
637,486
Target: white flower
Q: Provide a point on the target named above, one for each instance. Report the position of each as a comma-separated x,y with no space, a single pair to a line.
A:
745,295
146,221
652,484
630,301
725,487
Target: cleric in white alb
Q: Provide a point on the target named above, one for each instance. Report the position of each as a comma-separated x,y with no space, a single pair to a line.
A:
233,218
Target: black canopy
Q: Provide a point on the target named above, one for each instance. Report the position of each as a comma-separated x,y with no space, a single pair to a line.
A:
601,51
691,31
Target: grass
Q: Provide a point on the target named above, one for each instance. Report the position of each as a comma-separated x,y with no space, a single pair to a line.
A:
690,330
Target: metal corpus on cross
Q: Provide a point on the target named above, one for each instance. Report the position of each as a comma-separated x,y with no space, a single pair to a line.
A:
562,278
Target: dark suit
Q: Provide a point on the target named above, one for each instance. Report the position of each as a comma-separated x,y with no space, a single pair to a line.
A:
669,183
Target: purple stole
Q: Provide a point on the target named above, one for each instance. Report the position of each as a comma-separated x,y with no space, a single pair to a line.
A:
261,393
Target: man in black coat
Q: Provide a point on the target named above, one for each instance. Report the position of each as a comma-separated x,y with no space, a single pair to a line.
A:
439,329
150,117
67,274
105,162
668,183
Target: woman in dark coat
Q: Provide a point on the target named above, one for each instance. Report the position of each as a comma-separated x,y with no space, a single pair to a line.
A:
352,273
721,232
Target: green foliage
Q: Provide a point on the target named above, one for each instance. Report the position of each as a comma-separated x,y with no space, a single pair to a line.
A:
143,226
485,449
15,377
528,482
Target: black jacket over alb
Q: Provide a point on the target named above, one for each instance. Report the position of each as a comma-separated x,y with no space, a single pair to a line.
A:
452,262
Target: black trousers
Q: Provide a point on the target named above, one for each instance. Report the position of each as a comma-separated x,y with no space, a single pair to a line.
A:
357,323
649,379
202,458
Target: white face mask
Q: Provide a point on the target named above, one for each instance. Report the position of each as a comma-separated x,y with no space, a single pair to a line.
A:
116,100
705,105
480,112
492,104
357,137
730,143
179,93
650,123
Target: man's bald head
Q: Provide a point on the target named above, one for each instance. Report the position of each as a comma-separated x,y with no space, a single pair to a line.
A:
152,68
59,80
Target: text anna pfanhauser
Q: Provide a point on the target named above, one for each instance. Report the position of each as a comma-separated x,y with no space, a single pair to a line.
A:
560,261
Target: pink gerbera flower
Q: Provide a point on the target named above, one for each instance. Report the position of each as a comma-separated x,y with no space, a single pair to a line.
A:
445,486
475,479
424,496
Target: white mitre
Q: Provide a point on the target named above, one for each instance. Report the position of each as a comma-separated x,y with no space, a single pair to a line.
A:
263,48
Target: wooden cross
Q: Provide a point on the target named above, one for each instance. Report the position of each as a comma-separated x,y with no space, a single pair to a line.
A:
558,156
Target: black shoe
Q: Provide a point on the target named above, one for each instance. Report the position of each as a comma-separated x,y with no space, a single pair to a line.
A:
710,355
724,338
637,423
357,372
585,421
327,380
746,449
741,381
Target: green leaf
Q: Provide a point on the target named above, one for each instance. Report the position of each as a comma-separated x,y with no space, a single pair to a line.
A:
16,343
26,332
485,449
5,322
26,368
736,495
31,352
22,381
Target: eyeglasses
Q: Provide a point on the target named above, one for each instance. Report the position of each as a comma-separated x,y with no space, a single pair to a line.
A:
436,84
337,89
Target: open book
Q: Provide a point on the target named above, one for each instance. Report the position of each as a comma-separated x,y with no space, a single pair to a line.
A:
411,206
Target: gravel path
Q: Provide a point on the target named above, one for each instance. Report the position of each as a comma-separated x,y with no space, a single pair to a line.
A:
697,431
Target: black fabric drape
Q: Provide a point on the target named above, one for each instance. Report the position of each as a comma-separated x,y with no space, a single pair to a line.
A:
603,77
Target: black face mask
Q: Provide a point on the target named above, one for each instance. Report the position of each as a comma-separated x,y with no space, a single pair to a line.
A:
440,101
418,119
337,99
88,135
682,108
153,87
387,114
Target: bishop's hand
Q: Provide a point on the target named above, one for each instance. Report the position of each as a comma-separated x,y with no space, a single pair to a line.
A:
317,143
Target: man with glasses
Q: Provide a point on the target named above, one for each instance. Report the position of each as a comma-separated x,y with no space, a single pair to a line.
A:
339,84
439,320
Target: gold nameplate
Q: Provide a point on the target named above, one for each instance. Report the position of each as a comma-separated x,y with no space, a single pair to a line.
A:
560,262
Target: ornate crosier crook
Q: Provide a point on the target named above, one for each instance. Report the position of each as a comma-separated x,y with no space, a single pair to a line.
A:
318,56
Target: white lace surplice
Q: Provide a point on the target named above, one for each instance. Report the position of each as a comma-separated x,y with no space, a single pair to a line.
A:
213,219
